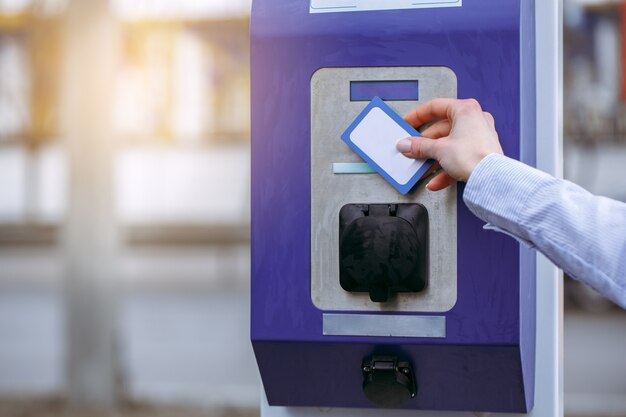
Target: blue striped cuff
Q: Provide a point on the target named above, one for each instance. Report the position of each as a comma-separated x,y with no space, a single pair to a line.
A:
499,189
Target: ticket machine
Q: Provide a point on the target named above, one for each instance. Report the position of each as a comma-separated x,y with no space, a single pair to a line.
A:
362,296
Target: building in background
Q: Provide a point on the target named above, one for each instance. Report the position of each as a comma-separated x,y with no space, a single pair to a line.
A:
167,320
594,110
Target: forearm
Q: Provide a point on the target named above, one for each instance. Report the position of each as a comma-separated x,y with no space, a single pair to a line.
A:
583,234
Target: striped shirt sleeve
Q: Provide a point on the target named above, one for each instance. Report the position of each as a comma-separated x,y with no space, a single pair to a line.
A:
583,234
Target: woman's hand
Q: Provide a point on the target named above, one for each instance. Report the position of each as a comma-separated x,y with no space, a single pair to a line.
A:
461,136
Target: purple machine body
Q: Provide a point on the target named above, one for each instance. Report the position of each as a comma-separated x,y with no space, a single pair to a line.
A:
486,361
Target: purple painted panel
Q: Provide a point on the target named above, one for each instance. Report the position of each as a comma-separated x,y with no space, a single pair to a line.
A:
481,43
463,378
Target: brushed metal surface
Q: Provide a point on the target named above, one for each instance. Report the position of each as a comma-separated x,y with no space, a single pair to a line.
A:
383,325
331,113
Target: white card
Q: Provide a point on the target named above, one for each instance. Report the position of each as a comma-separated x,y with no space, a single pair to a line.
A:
374,135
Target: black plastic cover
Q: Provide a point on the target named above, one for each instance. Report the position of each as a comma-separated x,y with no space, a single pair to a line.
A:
383,249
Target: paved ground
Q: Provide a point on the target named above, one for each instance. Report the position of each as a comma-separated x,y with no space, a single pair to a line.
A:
56,408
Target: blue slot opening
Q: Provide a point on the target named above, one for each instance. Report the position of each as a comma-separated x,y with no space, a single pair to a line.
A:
387,90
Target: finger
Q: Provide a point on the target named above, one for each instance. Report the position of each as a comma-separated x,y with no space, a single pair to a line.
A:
419,148
438,130
440,182
439,108
431,110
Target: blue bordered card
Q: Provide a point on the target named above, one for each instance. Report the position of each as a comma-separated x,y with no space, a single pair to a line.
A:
374,135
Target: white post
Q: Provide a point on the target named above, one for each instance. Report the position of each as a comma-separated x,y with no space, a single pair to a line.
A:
90,236
549,366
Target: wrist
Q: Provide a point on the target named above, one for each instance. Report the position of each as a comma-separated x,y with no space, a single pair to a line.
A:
478,161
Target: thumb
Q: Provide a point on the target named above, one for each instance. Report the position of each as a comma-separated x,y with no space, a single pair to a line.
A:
418,147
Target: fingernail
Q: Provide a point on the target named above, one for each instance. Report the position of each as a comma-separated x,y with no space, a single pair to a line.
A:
428,188
404,145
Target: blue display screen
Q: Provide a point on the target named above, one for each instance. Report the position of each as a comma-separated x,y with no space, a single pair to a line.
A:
387,90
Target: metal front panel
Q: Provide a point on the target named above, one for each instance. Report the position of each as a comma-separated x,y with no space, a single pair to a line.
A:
331,112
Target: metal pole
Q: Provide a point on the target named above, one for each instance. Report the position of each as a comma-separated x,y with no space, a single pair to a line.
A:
90,236
549,364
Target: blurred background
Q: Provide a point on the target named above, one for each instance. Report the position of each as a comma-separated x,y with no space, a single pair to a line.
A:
124,206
